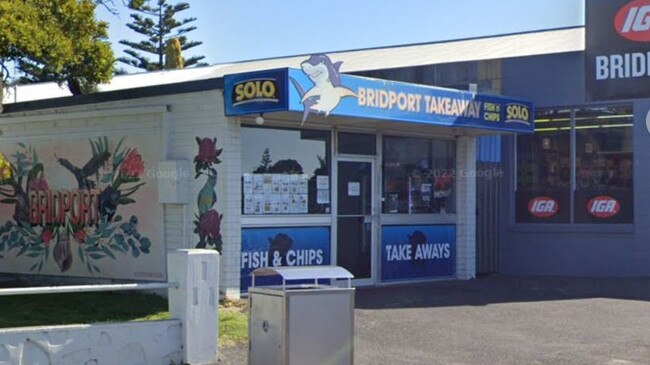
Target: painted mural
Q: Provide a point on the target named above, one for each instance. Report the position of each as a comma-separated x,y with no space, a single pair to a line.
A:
207,224
81,208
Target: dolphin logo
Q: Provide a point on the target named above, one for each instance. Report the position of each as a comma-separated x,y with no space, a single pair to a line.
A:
327,92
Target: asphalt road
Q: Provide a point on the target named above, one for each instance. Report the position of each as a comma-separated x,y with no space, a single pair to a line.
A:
500,320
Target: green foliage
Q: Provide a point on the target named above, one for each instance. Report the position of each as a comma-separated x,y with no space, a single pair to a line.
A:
158,24
173,57
55,40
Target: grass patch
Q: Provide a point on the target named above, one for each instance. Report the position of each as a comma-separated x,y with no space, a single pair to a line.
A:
78,308
233,323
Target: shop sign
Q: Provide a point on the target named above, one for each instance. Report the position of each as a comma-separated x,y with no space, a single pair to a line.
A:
287,246
603,207
318,88
417,252
617,56
255,93
543,207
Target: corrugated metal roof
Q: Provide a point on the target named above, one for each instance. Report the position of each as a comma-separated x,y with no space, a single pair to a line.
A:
505,46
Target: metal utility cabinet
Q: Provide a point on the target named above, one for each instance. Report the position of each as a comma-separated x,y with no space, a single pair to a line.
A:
301,324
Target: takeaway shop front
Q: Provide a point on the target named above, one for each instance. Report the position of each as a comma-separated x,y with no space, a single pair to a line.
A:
372,175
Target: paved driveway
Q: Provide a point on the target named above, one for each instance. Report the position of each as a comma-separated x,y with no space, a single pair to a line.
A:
500,320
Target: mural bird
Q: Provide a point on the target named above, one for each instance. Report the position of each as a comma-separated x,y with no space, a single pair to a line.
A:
89,169
207,197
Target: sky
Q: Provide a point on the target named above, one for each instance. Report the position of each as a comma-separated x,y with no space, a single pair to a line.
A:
238,30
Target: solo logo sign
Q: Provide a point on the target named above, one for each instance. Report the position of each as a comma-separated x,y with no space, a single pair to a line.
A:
603,207
543,207
633,21
257,90
517,113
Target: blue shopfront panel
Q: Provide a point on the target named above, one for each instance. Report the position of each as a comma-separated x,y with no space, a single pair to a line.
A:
417,252
286,246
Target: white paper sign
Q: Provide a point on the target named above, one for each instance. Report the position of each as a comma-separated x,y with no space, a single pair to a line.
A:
354,189
322,182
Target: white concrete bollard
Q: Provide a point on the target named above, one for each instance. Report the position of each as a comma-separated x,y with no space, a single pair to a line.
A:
195,302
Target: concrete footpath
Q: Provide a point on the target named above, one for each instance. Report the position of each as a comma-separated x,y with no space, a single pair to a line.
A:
501,320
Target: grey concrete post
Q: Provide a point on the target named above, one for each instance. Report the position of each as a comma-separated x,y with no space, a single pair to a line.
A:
195,302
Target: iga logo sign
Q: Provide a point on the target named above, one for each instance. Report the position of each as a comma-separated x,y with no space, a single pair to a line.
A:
543,207
603,207
633,21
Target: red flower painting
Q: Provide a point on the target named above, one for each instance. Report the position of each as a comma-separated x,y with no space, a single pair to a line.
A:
132,165
208,152
47,236
210,224
80,236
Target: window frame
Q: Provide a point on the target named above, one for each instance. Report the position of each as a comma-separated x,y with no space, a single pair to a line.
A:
298,219
572,226
387,216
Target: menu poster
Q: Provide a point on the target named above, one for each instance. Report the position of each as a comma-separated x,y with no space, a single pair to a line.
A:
276,203
303,184
249,204
276,183
268,204
268,183
258,204
285,187
285,204
258,184
295,184
248,185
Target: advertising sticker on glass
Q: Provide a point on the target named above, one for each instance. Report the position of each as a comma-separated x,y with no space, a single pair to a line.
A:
417,252
273,247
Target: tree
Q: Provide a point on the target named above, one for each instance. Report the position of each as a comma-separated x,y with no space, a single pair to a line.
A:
173,57
265,163
158,24
54,40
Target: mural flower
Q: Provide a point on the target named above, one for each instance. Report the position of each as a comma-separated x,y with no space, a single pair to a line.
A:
208,221
80,236
47,236
132,166
38,184
6,171
210,224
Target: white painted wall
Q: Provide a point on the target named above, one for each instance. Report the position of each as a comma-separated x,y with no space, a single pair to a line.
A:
466,208
137,343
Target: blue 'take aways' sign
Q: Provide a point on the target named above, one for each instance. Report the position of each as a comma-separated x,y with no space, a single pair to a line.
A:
417,252
288,246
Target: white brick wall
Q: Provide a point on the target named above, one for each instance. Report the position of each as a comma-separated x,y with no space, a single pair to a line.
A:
466,203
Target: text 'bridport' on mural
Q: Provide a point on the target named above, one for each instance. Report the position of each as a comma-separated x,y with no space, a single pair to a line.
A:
81,224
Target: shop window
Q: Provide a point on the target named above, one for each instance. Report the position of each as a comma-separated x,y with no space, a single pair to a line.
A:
604,165
544,170
285,171
356,144
418,176
600,138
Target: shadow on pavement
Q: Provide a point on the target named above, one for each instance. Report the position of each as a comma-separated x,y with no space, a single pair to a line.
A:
501,289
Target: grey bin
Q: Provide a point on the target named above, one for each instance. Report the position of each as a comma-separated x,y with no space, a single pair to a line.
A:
301,324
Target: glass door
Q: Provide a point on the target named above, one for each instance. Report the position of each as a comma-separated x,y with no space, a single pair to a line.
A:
355,219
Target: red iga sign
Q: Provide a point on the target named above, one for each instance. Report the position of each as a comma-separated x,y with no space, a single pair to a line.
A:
603,207
632,21
543,207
